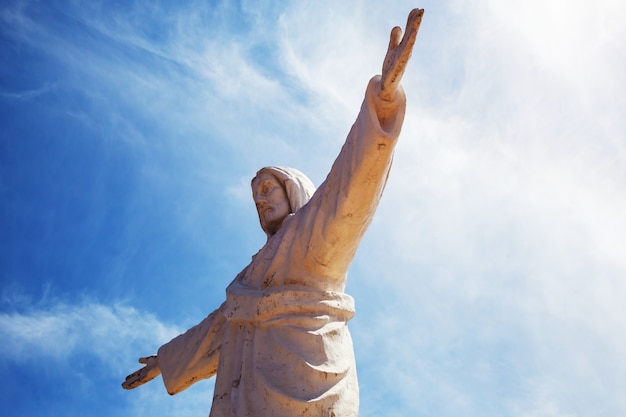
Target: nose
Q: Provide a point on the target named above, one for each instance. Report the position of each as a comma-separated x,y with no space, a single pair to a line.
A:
260,203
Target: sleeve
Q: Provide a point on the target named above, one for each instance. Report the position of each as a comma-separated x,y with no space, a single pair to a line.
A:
343,206
194,355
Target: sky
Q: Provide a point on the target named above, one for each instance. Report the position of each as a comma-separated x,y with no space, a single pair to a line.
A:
492,281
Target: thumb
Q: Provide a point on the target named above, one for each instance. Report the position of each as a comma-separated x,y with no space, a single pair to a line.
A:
146,359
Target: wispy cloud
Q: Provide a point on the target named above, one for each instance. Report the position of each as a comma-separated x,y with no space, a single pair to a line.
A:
53,334
112,333
28,94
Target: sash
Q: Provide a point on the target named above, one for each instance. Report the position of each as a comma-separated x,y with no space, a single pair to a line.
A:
269,307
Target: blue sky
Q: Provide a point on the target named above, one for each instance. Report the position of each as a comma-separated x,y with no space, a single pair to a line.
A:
491,282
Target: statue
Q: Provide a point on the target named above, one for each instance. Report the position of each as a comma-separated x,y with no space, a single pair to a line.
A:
280,344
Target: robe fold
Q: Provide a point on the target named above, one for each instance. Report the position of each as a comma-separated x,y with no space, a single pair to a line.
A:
280,344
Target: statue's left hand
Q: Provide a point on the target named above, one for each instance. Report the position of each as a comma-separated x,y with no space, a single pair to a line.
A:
398,54
143,375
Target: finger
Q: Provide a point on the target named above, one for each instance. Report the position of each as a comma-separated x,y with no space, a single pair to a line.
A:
414,19
394,38
394,41
131,380
131,384
134,375
412,26
145,359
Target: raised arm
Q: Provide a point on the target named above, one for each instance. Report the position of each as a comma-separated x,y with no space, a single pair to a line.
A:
343,206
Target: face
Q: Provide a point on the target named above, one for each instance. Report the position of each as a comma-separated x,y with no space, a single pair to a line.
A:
271,202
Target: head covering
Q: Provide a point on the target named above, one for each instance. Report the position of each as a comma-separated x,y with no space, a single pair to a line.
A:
298,186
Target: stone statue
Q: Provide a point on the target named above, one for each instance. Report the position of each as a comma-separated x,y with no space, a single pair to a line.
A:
280,344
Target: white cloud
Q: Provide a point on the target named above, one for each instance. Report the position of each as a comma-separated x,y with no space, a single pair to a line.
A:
112,333
39,338
29,94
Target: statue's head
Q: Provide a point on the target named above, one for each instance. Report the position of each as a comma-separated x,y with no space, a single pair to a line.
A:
279,192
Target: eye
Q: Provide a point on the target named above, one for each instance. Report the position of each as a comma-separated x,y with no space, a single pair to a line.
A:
268,186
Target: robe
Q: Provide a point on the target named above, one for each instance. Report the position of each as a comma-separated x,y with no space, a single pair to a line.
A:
280,344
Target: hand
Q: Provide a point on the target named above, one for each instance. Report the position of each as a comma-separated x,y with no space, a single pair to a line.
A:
143,375
398,54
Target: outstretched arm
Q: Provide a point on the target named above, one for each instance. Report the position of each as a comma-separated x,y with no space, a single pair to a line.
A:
143,375
186,359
